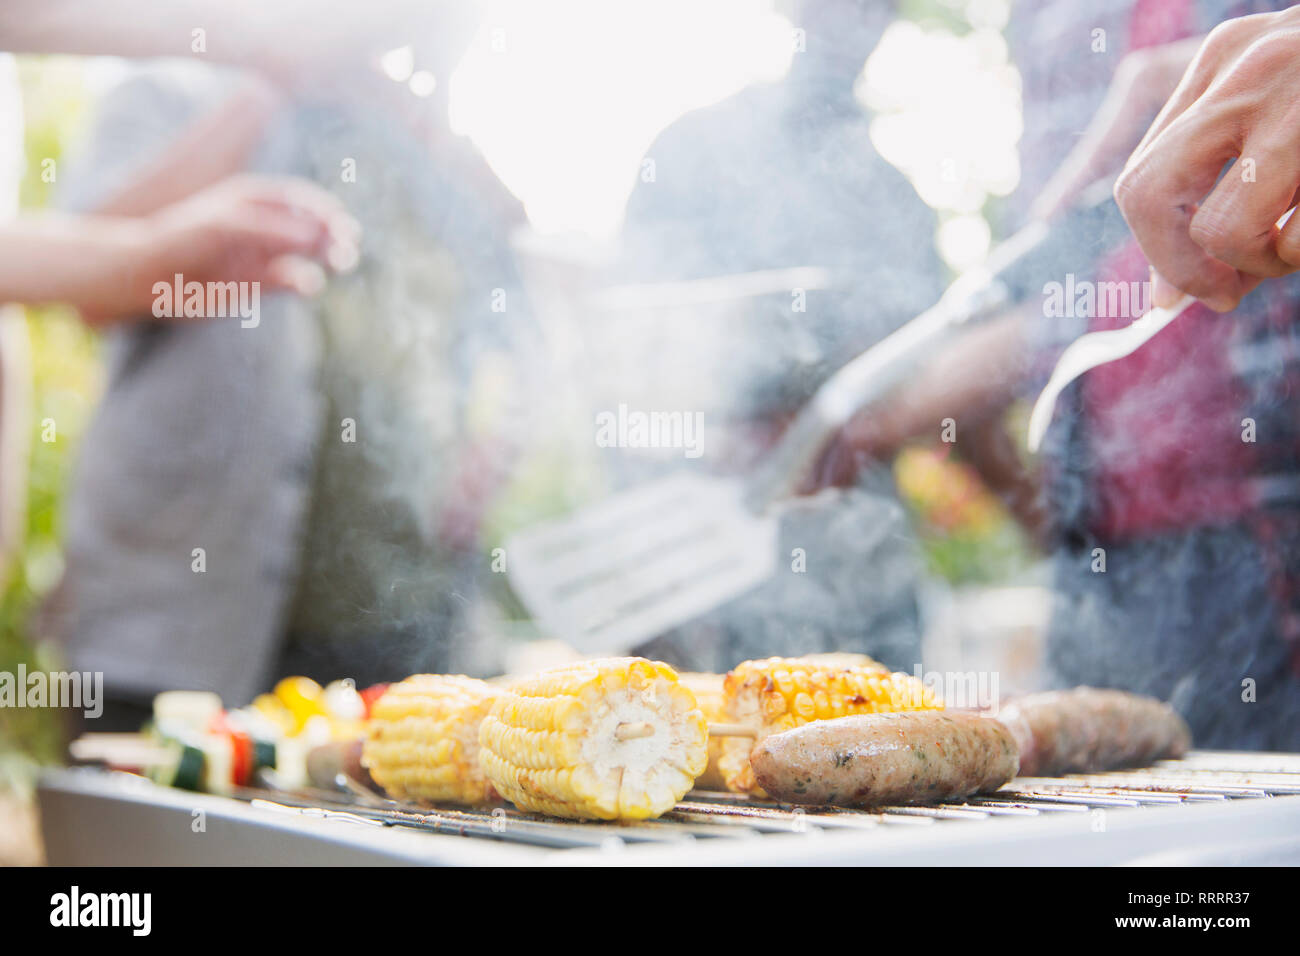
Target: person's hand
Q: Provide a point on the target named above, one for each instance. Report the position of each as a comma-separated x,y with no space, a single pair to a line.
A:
1239,100
866,438
279,232
1143,80
974,377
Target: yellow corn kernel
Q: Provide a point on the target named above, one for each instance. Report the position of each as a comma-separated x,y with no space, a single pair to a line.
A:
618,738
707,689
422,740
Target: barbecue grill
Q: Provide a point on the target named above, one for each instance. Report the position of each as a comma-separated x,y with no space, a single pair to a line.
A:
1208,808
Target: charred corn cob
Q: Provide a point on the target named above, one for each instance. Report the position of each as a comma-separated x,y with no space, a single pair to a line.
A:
779,693
842,659
707,689
620,738
422,740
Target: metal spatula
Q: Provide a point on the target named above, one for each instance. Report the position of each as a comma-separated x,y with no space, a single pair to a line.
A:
1091,350
1099,348
639,563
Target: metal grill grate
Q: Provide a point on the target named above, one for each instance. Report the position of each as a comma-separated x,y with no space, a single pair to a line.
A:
1202,777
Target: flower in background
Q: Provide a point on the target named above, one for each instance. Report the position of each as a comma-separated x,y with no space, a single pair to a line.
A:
966,533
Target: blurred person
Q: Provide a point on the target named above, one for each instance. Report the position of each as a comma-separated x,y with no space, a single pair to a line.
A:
270,232
247,229
82,262
1172,485
314,519
784,175
1181,464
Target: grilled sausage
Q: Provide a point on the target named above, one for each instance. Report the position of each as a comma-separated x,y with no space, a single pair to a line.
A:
877,759
1086,729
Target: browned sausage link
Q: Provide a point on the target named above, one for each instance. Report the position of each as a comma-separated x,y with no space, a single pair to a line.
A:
879,759
1086,729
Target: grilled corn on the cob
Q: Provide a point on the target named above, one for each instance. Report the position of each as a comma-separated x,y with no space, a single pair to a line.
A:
779,693
707,689
842,659
422,740
619,738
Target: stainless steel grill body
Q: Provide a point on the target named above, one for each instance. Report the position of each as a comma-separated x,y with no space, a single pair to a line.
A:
1209,808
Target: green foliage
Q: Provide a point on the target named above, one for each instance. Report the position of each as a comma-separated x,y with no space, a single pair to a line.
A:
65,377
991,556
65,384
54,106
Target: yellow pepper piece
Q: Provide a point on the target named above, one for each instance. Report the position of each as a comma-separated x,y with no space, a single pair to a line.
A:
303,697
270,707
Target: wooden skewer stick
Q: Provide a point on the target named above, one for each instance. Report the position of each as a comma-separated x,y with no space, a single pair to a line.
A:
119,750
732,730
632,730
